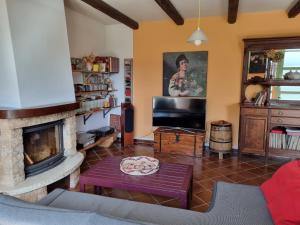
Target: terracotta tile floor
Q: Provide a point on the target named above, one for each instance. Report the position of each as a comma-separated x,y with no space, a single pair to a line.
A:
207,170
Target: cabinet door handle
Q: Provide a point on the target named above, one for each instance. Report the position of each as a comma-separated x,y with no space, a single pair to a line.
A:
280,113
279,120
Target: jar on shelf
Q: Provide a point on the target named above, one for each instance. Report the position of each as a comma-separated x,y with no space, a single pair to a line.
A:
106,104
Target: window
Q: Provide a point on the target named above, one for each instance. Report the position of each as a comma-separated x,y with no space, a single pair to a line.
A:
291,63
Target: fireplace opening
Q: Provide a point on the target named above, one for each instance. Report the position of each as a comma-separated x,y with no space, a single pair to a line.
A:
43,147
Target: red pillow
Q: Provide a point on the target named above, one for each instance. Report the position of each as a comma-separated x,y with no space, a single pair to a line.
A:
282,194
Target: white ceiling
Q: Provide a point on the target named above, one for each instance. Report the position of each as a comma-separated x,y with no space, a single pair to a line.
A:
147,10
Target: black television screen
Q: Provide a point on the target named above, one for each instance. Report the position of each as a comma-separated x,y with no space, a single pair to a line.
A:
179,112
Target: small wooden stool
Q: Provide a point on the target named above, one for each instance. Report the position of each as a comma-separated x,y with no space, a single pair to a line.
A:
220,140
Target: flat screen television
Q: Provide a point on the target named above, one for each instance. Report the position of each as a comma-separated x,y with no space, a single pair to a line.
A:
179,112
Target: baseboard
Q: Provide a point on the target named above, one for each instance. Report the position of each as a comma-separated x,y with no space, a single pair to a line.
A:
143,142
137,141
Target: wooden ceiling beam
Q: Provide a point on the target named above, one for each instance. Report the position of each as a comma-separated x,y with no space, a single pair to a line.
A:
171,11
295,10
113,13
233,6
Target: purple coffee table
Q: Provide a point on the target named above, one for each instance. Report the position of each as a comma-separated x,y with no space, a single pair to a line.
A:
172,180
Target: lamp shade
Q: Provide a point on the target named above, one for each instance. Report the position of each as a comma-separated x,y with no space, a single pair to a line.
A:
197,37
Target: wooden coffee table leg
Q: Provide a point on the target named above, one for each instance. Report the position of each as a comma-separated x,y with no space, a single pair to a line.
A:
184,202
191,187
98,190
190,196
190,193
82,187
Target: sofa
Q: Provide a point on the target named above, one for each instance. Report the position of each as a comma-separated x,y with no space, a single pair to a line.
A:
232,204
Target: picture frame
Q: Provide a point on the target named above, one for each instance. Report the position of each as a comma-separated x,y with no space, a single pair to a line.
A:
257,62
185,74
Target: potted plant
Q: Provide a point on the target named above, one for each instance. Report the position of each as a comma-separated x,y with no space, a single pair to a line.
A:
275,57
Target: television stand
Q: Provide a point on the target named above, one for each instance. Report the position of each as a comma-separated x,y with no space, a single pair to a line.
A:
179,141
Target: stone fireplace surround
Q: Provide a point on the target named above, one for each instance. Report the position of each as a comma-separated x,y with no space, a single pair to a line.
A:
12,175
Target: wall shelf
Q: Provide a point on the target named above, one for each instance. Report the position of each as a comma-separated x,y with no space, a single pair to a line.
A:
107,110
88,114
271,106
92,72
96,91
95,86
99,142
275,82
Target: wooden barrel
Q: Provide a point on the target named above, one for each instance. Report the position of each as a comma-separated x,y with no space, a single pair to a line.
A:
220,136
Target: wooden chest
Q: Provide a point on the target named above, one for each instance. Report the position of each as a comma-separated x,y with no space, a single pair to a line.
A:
180,142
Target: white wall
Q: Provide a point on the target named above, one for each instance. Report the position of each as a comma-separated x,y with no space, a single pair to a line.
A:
85,34
119,43
41,50
88,35
9,92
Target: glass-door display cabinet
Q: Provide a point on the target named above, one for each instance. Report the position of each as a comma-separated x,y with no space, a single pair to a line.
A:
270,97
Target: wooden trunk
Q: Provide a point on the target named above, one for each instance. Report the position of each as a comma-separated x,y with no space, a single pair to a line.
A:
180,142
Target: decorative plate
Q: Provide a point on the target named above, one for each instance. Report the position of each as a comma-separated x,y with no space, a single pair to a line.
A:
139,165
252,90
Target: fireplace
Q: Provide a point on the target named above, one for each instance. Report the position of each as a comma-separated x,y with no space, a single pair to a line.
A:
43,147
38,148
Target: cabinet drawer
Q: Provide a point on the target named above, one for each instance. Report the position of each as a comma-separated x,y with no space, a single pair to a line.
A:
285,121
288,113
254,111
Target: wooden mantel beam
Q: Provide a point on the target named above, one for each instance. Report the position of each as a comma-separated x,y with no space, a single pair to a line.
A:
233,6
113,13
295,10
171,11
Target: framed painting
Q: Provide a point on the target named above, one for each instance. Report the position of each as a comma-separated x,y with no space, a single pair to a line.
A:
258,62
185,74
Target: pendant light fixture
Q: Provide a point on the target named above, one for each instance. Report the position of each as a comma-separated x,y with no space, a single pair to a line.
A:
198,36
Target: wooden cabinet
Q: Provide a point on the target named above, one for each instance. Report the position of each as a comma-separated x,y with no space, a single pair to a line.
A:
253,134
175,141
253,129
284,118
256,125
266,119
